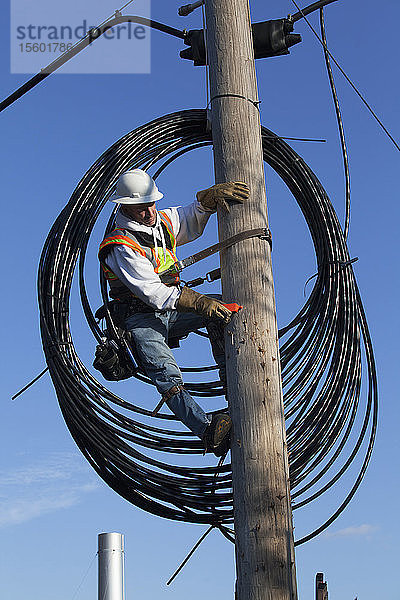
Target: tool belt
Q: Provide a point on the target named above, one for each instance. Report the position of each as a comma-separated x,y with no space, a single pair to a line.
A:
135,305
121,309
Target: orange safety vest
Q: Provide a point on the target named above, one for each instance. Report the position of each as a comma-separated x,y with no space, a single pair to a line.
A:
143,244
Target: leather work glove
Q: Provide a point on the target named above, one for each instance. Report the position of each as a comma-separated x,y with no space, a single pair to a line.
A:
218,194
191,301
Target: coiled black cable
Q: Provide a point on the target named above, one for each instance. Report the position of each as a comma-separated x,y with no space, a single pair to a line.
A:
331,411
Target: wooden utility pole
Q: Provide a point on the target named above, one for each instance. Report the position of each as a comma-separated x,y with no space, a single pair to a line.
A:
262,508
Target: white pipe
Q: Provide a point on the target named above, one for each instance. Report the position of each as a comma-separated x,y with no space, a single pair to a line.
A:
111,566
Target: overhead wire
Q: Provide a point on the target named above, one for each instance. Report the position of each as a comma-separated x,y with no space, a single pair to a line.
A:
80,45
349,81
330,401
340,126
309,9
84,577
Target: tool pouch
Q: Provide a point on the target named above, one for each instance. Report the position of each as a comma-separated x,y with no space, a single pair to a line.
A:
113,362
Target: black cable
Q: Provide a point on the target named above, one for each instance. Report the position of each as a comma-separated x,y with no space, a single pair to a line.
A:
309,9
347,78
340,125
330,409
28,385
192,551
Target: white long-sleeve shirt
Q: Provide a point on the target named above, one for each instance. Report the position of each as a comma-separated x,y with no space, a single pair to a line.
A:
137,272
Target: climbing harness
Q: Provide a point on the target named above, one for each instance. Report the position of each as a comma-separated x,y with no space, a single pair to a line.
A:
112,358
211,276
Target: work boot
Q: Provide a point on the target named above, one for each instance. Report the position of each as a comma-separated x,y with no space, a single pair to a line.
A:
216,437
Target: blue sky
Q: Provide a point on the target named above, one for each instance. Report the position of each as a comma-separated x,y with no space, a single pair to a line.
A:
52,505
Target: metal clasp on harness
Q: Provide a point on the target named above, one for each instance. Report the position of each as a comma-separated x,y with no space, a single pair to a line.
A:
178,266
267,236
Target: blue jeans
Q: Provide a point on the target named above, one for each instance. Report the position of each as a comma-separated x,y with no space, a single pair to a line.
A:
150,333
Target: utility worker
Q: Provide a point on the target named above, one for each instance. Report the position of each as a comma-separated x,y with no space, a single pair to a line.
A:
134,257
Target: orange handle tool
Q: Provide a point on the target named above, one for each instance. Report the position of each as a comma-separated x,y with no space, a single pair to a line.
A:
233,307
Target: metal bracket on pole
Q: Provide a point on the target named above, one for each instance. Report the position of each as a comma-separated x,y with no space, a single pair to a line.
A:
185,10
209,122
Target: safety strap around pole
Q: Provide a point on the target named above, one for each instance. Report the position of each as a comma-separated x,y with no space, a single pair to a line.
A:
262,233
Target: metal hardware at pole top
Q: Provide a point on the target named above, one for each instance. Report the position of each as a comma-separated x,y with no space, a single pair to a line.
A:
185,10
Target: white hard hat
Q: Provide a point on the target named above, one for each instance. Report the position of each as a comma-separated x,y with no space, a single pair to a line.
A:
135,187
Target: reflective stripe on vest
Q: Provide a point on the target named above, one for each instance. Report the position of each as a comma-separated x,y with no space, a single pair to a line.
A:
125,237
122,240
